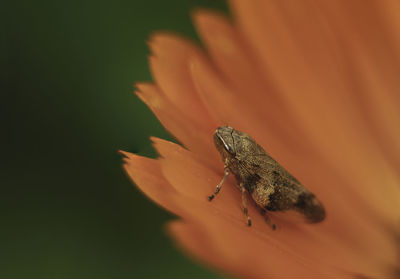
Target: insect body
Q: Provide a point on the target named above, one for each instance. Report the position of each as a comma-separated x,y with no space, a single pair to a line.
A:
269,185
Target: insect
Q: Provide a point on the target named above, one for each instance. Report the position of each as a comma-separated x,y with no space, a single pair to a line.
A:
270,186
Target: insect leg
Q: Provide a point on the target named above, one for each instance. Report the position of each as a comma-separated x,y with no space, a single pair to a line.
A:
244,200
219,185
267,219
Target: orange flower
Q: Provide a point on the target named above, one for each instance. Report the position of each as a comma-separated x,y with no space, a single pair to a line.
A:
316,83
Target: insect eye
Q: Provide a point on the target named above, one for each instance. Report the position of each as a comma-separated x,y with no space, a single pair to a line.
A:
224,142
229,148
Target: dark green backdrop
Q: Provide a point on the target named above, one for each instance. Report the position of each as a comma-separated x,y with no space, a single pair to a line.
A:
67,209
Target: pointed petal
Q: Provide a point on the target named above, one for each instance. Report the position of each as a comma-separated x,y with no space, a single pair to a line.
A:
146,174
170,70
190,178
189,132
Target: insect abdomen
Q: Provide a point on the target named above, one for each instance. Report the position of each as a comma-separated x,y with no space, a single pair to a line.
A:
310,207
282,199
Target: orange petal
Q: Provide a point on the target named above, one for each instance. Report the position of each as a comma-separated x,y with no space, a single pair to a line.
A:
146,174
237,257
373,63
236,67
193,180
388,10
170,70
191,134
196,242
229,53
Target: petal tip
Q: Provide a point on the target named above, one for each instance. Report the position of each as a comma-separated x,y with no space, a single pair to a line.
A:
202,13
158,142
160,40
124,153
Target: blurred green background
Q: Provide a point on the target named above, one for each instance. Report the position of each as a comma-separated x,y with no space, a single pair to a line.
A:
67,208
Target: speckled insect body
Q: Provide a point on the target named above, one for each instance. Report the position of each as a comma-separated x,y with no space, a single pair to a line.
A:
270,186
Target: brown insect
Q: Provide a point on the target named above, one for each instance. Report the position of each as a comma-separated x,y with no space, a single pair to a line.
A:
270,186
